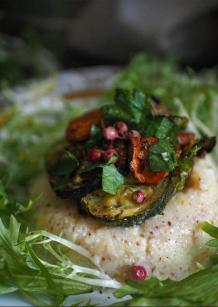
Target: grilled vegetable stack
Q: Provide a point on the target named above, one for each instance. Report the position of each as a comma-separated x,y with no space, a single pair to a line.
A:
123,162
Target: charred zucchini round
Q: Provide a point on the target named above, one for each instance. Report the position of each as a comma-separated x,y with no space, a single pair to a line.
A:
121,210
71,180
122,177
65,175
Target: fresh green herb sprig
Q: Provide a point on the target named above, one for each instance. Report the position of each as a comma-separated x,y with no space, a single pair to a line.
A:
160,127
112,179
131,106
134,107
162,156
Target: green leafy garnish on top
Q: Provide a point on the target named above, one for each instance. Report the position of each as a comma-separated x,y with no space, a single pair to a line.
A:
148,144
160,127
111,179
132,106
162,157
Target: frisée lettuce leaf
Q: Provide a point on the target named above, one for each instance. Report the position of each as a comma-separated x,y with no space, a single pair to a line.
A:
55,276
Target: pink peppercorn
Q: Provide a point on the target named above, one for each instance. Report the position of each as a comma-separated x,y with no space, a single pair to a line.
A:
121,128
94,155
138,197
109,154
110,133
138,272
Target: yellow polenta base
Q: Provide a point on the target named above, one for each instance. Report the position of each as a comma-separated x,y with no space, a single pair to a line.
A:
168,246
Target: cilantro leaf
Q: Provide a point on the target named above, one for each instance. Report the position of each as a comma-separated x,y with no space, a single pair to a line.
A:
160,127
132,106
111,179
162,157
134,102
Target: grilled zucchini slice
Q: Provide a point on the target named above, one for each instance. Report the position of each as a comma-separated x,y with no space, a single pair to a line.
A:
72,184
121,210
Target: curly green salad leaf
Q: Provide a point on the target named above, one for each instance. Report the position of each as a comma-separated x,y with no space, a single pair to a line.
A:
54,274
45,268
213,232
25,138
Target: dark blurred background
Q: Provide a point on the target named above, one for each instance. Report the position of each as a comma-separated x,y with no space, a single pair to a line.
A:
38,37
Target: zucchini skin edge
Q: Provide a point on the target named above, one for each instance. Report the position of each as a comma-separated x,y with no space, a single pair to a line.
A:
157,208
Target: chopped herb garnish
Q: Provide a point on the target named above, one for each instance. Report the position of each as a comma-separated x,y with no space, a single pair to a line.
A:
185,163
160,127
132,106
111,179
162,157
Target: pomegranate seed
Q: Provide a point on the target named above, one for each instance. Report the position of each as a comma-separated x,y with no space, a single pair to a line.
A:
109,153
121,128
134,134
94,155
138,272
110,133
138,197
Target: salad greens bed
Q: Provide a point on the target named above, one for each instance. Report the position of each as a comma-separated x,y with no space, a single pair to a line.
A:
42,266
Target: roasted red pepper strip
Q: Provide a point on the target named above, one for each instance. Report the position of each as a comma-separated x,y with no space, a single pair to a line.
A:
79,129
186,138
140,165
